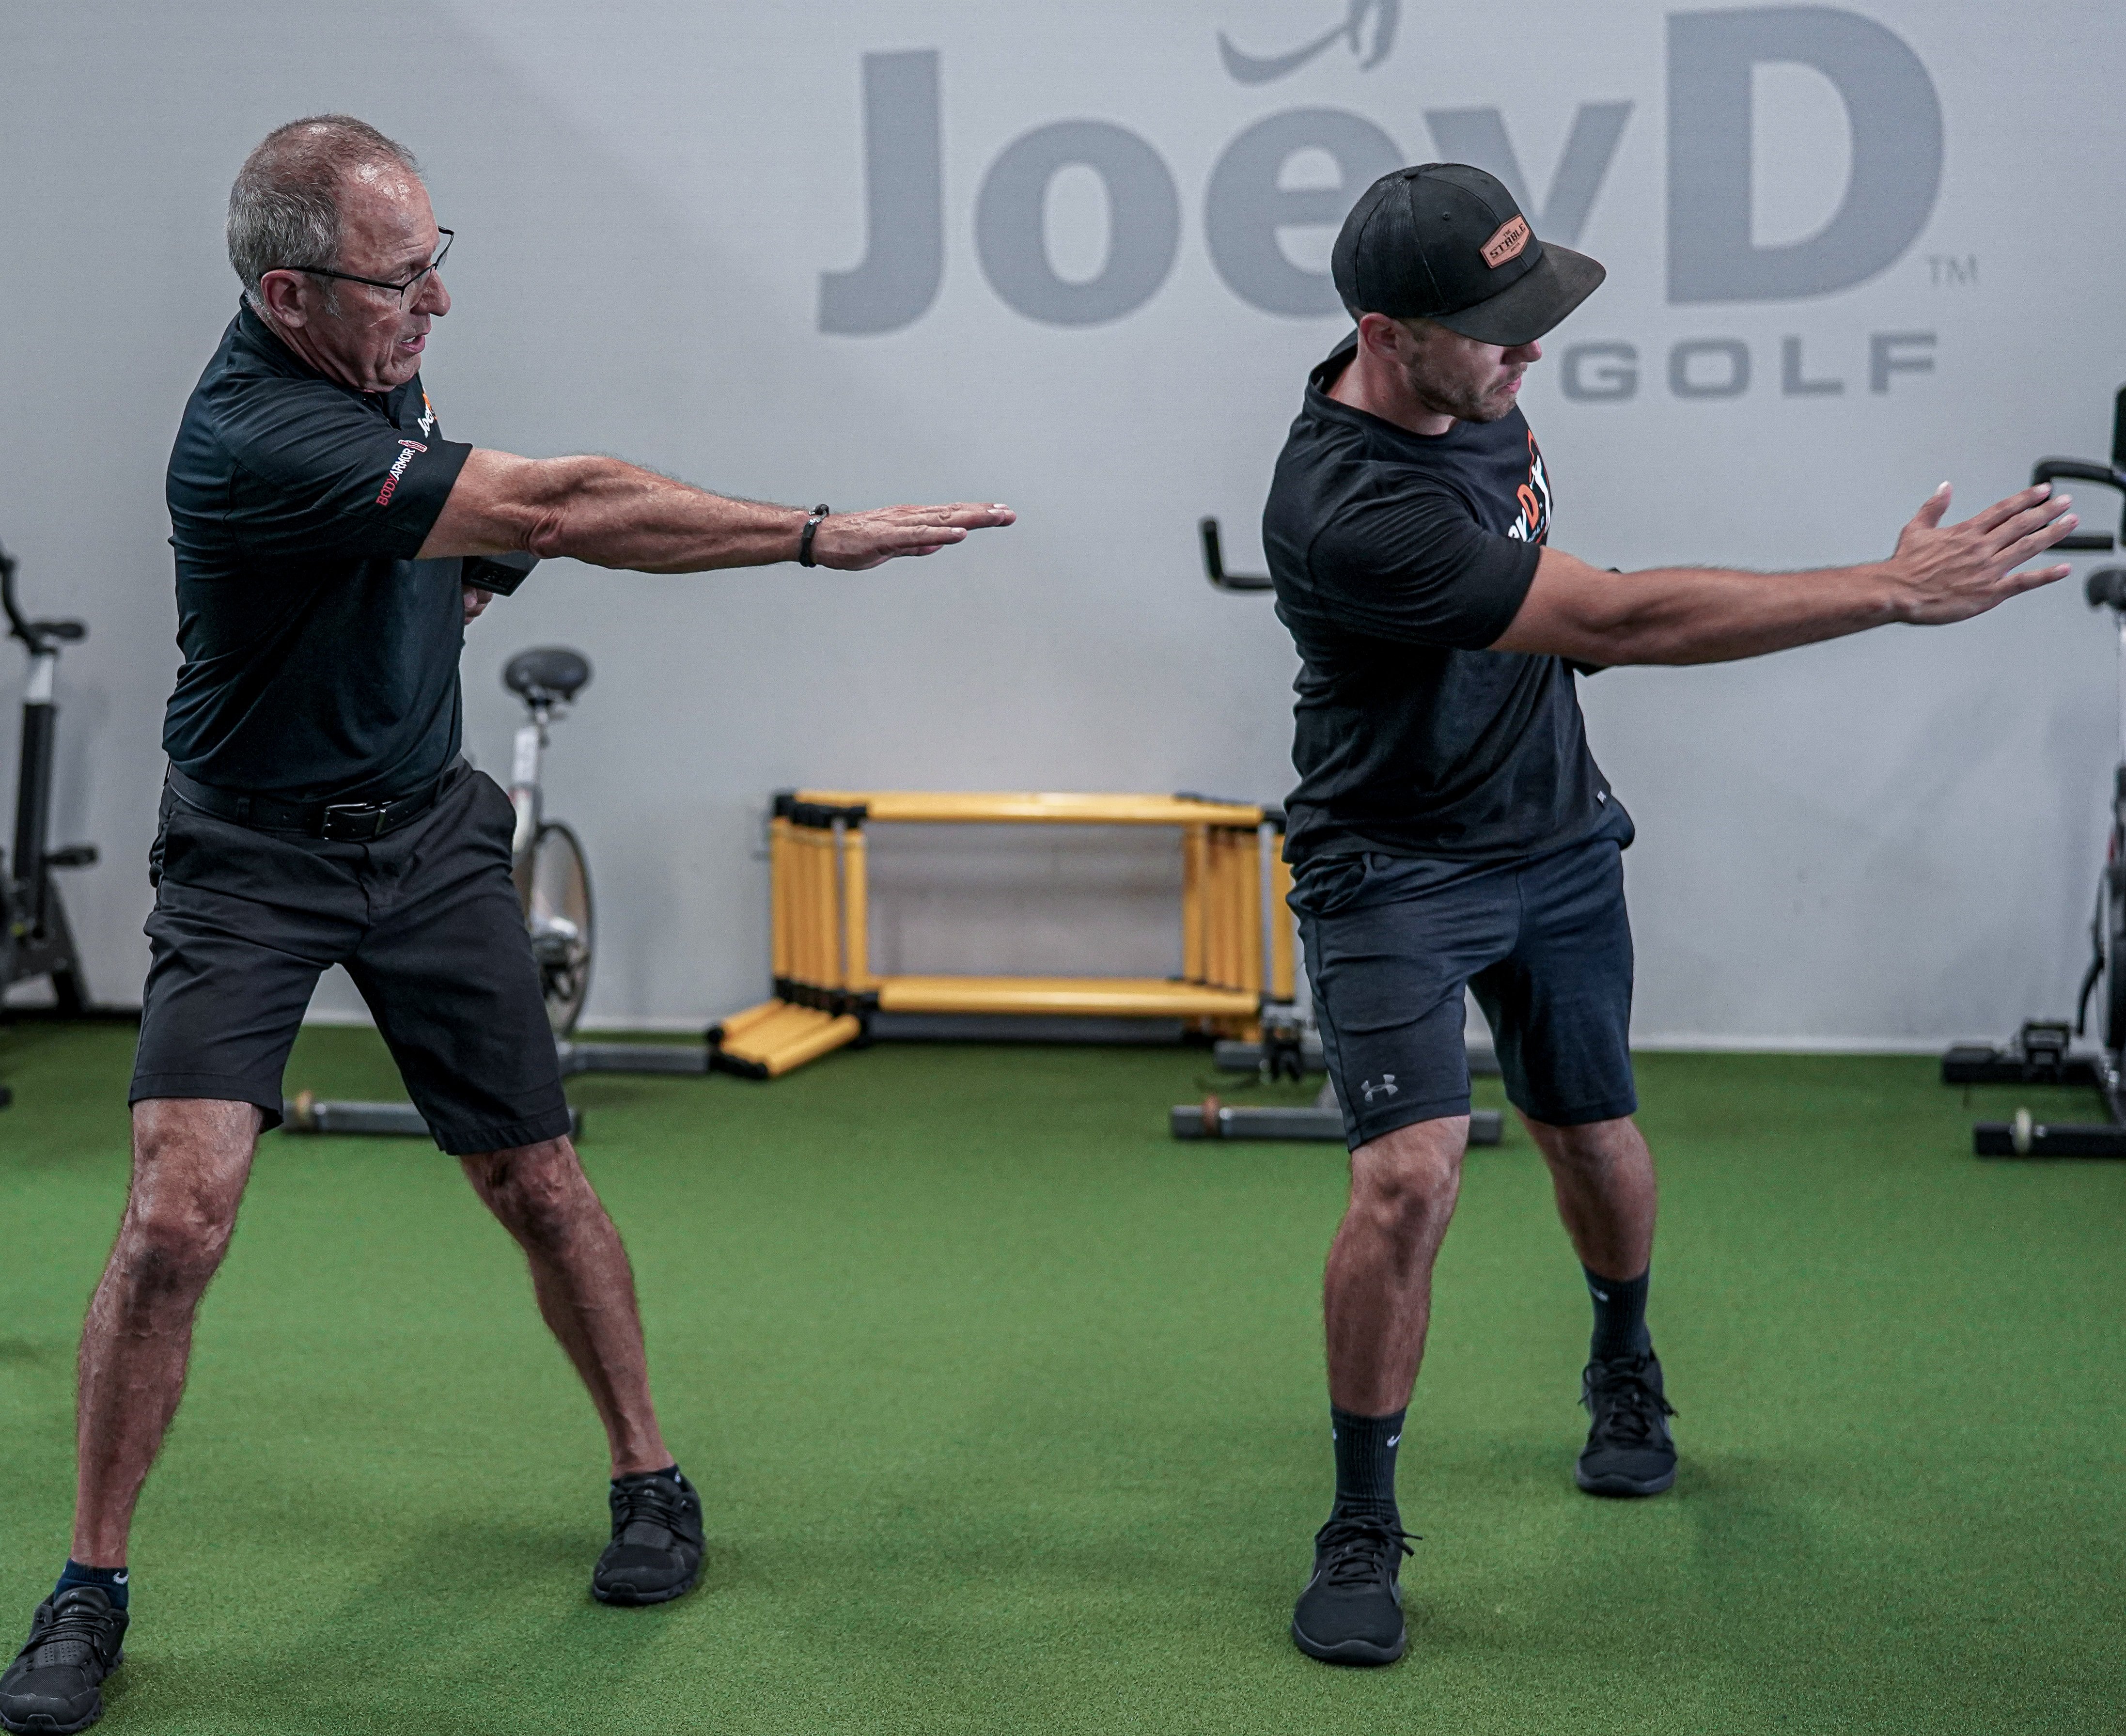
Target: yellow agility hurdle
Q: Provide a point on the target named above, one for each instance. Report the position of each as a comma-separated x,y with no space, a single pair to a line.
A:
1237,948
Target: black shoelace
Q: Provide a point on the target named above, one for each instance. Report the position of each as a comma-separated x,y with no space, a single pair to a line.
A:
1623,1403
655,1501
1356,1552
78,1632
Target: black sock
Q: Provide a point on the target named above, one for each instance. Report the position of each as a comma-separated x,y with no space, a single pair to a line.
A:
111,1581
669,1470
1365,1465
1620,1317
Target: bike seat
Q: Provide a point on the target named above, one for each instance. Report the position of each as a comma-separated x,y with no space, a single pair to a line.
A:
72,632
547,676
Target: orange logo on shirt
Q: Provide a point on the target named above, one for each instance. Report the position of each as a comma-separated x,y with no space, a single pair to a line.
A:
1534,524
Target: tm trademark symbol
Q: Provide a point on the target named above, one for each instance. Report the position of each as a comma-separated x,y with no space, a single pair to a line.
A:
1953,270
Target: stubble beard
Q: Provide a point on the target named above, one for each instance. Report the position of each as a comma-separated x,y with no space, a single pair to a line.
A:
1464,404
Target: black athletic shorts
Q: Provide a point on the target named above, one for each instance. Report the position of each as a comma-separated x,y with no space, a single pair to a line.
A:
426,922
1392,941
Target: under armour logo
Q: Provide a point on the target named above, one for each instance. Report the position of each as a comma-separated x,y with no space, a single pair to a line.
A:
1387,1087
1383,13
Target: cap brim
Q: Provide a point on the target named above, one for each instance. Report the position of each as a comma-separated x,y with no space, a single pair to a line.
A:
1534,302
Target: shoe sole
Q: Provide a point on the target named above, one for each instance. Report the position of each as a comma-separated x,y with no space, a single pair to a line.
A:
1360,1652
1627,1487
640,1599
47,1726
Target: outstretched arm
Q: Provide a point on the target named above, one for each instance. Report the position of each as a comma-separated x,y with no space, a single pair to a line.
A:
608,513
1713,615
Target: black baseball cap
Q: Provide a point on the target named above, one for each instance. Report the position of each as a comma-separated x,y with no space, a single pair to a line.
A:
1446,242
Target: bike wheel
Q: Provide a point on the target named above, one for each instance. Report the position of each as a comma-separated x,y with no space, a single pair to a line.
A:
2111,927
558,913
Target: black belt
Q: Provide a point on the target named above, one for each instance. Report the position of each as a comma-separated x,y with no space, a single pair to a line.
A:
341,822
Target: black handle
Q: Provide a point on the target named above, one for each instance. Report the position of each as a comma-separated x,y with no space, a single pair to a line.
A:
2078,469
17,627
1214,563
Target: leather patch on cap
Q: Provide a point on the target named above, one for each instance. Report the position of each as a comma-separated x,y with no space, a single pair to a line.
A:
1510,243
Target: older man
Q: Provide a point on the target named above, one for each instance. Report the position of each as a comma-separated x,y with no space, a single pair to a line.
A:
331,543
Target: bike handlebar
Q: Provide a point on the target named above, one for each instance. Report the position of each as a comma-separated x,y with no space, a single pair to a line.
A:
2079,470
1214,563
41,636
18,627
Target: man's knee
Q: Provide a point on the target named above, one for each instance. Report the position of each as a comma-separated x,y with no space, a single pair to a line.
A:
1406,1182
1589,1145
173,1242
189,1163
539,1192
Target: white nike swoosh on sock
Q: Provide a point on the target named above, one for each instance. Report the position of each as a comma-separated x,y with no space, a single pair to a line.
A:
1393,1439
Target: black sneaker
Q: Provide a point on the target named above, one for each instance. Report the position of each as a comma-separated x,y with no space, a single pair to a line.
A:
655,1554
77,1638
1351,1611
1628,1450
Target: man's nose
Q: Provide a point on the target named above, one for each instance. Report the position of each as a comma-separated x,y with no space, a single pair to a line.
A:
431,298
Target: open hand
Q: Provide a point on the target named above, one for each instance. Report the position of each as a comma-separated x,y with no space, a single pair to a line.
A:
1953,573
852,541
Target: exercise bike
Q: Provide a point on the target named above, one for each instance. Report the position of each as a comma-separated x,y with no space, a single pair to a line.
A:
2040,1052
35,939
554,890
546,860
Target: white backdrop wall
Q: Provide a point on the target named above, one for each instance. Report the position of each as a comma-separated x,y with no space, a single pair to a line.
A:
671,238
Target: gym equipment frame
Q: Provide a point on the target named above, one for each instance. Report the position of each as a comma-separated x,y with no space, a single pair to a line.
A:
1237,945
2039,1053
35,939
1290,1050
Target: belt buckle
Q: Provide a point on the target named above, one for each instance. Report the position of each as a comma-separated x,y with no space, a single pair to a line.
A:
351,816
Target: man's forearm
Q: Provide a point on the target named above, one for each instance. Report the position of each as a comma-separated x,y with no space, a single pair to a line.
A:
606,513
1691,614
1681,615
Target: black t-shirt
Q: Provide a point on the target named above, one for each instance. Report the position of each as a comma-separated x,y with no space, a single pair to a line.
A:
1397,558
321,658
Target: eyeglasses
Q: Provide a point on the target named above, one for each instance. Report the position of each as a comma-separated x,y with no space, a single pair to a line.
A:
400,289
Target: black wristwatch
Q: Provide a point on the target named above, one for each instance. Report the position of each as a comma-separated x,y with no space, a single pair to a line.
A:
804,541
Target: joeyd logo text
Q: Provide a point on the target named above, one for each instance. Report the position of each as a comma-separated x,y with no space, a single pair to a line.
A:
1890,103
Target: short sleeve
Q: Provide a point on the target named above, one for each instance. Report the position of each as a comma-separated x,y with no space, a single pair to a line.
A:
318,473
1416,568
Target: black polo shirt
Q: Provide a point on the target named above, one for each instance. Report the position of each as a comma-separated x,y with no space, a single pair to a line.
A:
1397,558
321,658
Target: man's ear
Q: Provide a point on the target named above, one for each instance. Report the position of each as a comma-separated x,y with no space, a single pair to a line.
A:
283,294
1380,334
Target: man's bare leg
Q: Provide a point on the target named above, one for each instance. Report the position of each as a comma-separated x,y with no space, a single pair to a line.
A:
1377,1296
191,1160
1603,1176
1377,1302
584,1285
586,1291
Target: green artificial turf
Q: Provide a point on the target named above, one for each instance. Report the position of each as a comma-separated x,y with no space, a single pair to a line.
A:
1009,1414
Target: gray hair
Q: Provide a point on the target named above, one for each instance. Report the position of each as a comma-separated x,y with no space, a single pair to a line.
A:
284,209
